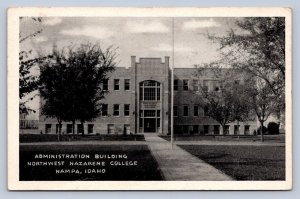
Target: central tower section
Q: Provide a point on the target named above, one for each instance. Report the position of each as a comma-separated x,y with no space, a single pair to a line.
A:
151,95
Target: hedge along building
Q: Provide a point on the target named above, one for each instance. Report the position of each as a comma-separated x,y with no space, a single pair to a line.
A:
139,101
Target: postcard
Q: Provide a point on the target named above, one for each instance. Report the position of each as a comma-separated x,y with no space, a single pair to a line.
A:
149,98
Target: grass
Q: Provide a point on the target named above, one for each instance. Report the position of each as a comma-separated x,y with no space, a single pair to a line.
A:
243,162
29,138
251,138
146,169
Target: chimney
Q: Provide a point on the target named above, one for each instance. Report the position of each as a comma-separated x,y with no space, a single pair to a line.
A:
133,61
167,61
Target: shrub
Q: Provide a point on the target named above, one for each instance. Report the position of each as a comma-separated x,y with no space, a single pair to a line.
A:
273,128
265,130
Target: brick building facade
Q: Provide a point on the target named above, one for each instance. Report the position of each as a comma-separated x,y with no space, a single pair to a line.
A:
139,101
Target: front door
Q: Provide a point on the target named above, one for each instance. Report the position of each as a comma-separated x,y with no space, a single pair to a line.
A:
149,125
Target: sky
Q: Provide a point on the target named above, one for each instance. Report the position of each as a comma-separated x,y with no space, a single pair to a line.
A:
135,36
140,37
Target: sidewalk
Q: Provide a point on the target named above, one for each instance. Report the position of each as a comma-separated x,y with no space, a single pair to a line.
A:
177,164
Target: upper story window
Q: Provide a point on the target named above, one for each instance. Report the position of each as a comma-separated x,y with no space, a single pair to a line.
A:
105,84
116,84
104,110
175,84
175,111
150,90
185,85
196,111
195,85
206,109
126,109
116,109
126,84
205,85
185,110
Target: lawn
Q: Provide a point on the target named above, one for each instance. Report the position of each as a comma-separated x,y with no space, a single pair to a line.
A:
241,138
30,138
243,162
145,170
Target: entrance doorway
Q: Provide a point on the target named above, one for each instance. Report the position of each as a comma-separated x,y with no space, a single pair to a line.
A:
149,125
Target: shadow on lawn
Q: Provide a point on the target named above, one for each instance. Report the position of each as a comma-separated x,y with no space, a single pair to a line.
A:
251,163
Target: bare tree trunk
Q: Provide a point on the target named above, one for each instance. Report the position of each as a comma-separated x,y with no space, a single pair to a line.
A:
73,128
82,128
238,126
59,131
261,131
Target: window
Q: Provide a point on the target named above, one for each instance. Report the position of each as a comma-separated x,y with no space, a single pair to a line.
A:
116,84
247,130
104,110
110,129
196,111
185,84
185,111
90,128
205,85
217,129
69,128
79,128
116,109
206,129
175,111
48,128
206,111
175,84
236,129
216,85
195,129
105,84
127,84
195,85
226,130
126,110
150,90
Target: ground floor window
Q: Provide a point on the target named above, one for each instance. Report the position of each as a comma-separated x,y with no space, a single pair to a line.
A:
126,129
48,128
236,129
90,128
216,129
206,129
195,129
110,129
185,129
69,128
226,130
247,130
79,128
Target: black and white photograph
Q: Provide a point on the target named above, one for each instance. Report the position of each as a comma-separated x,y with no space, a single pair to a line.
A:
149,99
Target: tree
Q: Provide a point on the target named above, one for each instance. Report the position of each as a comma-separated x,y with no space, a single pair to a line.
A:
241,109
262,101
257,47
228,101
54,81
27,81
71,82
217,103
90,66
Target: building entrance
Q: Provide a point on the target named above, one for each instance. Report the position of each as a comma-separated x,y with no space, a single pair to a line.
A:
149,125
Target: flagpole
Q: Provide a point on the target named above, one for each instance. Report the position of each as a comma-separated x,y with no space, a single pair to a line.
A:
172,87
